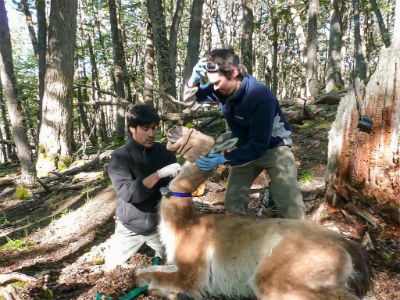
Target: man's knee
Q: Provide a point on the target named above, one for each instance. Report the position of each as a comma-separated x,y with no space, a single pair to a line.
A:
235,207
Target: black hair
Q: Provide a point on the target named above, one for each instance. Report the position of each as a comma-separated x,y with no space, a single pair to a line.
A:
226,59
142,114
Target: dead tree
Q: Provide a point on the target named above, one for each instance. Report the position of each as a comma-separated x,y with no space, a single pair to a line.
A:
365,166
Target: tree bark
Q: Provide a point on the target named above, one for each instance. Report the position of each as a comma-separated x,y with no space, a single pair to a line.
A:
6,124
193,44
366,167
384,32
9,84
161,46
246,46
148,94
312,49
28,17
334,78
120,72
55,137
173,36
42,45
359,55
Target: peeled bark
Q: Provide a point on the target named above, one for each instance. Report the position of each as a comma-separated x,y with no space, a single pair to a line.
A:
366,167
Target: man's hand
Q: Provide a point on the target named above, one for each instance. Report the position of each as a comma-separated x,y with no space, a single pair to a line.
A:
170,170
198,73
209,162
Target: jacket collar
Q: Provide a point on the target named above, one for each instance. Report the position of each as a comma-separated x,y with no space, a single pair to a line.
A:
238,95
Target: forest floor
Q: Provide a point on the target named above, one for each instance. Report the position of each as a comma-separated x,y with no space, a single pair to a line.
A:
58,236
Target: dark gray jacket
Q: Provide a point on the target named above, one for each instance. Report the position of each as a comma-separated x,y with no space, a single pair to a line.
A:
136,204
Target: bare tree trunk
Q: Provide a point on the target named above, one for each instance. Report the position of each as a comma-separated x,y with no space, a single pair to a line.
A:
384,32
161,46
120,72
247,35
55,137
193,44
149,67
208,19
366,167
359,55
274,65
13,105
28,16
42,45
6,148
312,49
333,74
173,36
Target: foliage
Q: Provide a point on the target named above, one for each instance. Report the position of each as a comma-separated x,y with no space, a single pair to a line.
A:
65,162
307,176
17,244
22,193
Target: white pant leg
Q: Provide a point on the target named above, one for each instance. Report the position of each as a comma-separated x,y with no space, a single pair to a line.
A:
153,241
124,243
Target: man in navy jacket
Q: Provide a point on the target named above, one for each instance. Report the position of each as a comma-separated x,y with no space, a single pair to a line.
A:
254,116
137,170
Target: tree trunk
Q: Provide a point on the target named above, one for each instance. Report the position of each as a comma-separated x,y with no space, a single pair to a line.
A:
149,67
120,72
333,74
55,137
161,46
173,36
366,167
210,13
312,49
193,44
28,17
384,32
246,46
359,55
274,65
42,45
6,125
9,84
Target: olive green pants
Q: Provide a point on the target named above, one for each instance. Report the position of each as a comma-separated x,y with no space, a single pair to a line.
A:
281,167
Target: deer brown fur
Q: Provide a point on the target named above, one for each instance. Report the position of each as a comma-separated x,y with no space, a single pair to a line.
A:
236,255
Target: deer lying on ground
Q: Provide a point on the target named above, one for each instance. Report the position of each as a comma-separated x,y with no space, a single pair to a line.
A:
244,256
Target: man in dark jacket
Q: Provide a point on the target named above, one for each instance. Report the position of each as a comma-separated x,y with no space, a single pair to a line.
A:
254,116
137,170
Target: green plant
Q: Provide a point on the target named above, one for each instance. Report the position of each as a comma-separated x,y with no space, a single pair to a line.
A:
13,244
307,176
118,141
42,149
65,162
3,219
21,193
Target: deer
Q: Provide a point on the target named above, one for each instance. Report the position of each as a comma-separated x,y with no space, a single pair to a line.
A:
245,256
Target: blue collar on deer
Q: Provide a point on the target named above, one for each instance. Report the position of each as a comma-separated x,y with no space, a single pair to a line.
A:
166,192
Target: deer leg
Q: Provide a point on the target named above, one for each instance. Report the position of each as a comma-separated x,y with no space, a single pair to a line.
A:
171,279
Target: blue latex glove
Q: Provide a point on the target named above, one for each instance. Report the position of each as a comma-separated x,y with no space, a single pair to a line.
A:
209,162
199,72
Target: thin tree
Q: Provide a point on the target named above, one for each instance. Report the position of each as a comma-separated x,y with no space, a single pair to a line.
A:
17,118
148,94
312,49
333,73
358,48
55,137
193,44
161,45
246,42
120,71
382,28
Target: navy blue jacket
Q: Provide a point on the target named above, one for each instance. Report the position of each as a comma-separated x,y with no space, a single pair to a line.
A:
137,204
254,116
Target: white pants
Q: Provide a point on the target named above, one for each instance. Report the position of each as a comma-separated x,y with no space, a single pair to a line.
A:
125,243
